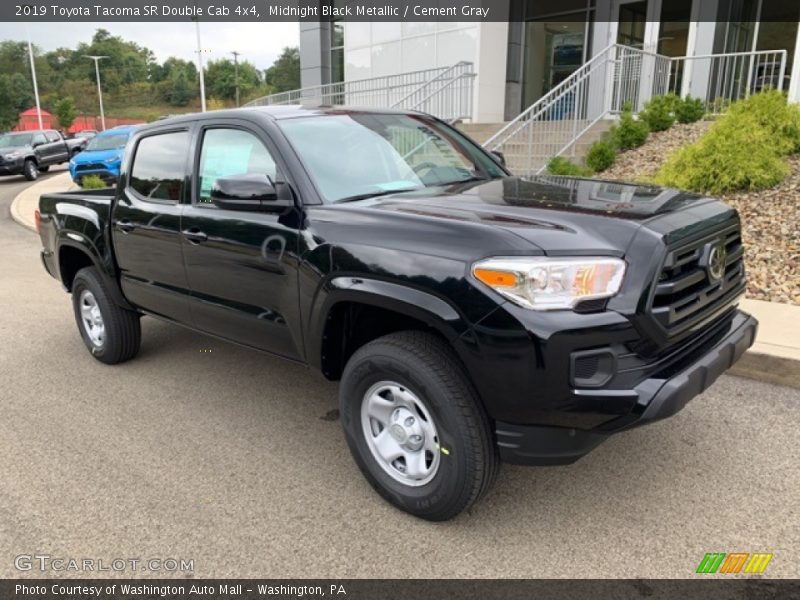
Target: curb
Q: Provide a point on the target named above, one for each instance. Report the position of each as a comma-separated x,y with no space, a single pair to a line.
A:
18,214
768,368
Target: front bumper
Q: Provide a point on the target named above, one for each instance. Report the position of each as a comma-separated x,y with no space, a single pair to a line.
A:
107,175
12,167
657,397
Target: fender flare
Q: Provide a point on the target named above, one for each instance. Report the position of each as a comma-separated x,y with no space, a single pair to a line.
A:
78,241
418,304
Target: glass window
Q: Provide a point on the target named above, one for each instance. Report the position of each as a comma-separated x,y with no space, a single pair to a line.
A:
39,139
108,142
52,136
553,51
160,165
229,152
356,154
356,34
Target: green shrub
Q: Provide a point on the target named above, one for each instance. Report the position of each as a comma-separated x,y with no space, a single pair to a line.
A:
561,166
659,112
92,182
736,153
601,155
630,133
690,110
771,111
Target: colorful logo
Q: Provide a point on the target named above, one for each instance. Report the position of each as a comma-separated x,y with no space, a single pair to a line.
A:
737,562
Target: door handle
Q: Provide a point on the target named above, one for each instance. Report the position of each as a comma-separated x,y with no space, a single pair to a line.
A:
125,226
194,235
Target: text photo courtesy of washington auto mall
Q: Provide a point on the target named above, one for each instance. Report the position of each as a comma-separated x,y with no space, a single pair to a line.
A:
399,299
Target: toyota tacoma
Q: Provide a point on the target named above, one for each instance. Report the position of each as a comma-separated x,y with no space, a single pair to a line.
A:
471,316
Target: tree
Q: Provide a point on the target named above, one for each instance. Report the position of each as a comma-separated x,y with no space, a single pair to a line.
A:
14,98
66,112
221,78
284,74
181,93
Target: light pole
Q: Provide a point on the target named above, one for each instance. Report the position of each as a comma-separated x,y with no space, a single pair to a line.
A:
200,64
97,60
236,73
35,84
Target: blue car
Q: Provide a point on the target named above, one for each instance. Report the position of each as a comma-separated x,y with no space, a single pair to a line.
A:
102,156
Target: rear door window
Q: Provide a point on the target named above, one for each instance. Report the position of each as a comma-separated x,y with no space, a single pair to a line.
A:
159,166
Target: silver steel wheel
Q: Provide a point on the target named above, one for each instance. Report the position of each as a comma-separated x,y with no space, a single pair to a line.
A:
92,319
400,432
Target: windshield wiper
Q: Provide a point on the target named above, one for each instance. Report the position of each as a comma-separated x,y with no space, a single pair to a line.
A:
373,195
467,180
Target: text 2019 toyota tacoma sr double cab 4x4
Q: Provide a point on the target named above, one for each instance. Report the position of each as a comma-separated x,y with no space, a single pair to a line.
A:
471,316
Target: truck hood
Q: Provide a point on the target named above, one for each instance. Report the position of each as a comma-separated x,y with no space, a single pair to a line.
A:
9,149
562,215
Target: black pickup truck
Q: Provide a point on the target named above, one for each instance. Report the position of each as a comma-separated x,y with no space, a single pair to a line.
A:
471,316
30,152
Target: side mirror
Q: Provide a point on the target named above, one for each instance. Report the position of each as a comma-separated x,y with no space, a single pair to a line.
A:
499,157
36,144
249,192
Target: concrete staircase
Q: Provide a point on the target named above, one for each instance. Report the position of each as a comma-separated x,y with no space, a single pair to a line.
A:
480,132
549,139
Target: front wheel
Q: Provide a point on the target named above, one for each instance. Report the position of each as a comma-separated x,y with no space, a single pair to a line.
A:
30,170
111,333
415,425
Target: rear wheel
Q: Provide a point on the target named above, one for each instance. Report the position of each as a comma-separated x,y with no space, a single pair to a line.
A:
111,333
415,425
30,170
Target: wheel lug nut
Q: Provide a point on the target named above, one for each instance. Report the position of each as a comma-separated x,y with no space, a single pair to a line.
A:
409,421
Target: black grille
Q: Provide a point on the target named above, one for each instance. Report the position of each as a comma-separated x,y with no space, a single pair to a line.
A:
586,366
90,167
686,293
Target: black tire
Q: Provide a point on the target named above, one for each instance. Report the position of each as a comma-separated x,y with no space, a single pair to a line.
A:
30,169
426,366
44,169
123,332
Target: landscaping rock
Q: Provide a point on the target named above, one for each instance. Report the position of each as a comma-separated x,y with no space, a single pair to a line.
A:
770,218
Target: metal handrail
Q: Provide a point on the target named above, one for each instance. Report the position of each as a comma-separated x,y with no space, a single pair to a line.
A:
378,91
618,75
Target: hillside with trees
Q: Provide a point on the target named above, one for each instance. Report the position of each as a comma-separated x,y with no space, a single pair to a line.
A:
135,84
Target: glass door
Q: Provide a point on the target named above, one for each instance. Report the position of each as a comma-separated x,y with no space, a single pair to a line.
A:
553,51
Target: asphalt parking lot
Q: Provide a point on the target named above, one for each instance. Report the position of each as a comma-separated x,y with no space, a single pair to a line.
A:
202,450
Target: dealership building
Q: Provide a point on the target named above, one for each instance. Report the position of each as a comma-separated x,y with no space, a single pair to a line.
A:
516,63
554,75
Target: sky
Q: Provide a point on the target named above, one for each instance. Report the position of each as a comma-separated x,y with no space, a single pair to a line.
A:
259,43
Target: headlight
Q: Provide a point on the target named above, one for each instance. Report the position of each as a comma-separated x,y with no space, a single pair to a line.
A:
551,283
71,162
113,159
13,155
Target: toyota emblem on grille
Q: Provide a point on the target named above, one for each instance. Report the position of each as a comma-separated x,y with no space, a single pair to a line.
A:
716,261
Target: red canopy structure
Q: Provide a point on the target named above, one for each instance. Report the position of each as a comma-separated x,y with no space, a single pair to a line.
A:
28,120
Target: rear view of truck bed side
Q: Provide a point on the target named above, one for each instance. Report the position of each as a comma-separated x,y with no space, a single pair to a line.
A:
74,233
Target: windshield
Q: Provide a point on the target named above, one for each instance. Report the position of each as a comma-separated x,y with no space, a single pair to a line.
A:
20,139
352,156
108,142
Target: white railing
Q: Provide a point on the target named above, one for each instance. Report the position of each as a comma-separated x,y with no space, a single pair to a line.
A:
445,92
447,96
620,75
720,79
